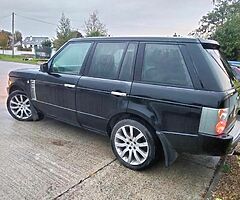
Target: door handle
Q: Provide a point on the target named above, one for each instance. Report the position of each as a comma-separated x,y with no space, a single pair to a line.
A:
120,94
69,85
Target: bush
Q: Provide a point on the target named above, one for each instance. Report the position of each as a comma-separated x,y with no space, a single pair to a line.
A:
7,48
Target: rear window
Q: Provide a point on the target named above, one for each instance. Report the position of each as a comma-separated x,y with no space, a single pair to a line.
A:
164,64
221,69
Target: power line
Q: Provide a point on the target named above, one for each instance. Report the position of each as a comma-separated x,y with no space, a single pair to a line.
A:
37,20
41,21
3,17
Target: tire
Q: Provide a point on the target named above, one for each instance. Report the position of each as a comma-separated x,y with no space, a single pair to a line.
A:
135,149
19,106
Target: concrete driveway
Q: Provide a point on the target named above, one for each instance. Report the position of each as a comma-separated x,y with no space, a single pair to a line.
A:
53,160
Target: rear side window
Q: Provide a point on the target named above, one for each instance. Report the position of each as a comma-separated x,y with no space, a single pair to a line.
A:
106,60
221,69
164,64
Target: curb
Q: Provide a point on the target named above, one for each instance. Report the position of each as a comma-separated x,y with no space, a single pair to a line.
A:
215,179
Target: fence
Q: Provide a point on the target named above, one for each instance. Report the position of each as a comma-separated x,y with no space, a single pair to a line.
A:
32,53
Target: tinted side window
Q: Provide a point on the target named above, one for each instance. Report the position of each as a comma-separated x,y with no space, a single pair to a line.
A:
164,64
128,62
106,60
221,69
71,58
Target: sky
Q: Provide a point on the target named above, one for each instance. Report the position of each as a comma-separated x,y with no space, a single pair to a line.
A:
121,17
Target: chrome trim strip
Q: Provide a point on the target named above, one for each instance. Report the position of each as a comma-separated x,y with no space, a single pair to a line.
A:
92,115
69,109
33,89
50,104
178,133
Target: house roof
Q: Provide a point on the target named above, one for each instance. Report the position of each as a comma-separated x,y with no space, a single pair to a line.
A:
34,40
17,44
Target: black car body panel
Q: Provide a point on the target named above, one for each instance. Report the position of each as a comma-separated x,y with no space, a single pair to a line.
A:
169,105
101,105
173,111
20,79
60,102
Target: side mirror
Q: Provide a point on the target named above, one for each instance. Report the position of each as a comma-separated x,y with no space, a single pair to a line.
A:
44,67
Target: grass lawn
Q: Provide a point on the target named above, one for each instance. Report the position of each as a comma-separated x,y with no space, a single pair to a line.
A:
20,59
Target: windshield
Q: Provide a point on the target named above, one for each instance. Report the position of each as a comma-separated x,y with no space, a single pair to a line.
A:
222,69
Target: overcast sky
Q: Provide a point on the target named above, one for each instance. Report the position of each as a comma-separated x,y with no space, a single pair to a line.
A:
122,17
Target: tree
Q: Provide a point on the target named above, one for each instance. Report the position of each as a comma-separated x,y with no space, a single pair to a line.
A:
228,35
9,35
18,37
46,43
77,34
3,40
64,32
93,26
223,24
223,10
45,50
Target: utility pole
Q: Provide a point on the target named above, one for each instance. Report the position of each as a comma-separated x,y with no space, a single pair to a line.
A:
13,34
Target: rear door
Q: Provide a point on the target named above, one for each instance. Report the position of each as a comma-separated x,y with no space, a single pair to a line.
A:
103,91
56,90
162,88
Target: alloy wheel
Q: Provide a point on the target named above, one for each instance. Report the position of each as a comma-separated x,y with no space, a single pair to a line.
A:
20,106
131,145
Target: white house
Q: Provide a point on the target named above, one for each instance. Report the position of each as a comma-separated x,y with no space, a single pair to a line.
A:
31,42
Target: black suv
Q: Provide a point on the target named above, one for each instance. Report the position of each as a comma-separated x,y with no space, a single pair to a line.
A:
148,94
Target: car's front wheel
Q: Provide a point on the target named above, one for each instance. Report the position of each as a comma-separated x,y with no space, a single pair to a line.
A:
133,144
19,106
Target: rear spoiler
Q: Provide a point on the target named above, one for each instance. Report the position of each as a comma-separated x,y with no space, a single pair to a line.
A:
209,44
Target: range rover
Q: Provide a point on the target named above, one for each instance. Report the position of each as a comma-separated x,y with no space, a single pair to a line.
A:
150,95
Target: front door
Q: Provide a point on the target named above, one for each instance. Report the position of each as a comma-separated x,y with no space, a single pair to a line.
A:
56,90
103,91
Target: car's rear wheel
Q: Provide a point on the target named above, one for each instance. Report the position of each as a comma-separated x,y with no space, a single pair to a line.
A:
133,144
19,106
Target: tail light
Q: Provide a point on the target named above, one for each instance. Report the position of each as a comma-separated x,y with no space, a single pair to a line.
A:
222,121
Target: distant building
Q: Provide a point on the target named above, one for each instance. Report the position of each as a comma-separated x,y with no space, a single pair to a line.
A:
17,44
33,42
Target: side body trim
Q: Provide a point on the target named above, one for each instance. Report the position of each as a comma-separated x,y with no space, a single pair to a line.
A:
71,110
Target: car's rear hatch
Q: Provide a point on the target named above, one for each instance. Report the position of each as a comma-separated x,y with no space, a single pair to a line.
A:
229,84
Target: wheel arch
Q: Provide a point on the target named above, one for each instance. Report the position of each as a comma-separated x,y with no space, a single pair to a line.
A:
137,117
15,87
164,148
128,115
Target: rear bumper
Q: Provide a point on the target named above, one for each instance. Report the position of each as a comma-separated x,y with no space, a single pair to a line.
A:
174,143
215,146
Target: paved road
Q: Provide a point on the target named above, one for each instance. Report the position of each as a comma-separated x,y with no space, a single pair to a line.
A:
49,160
